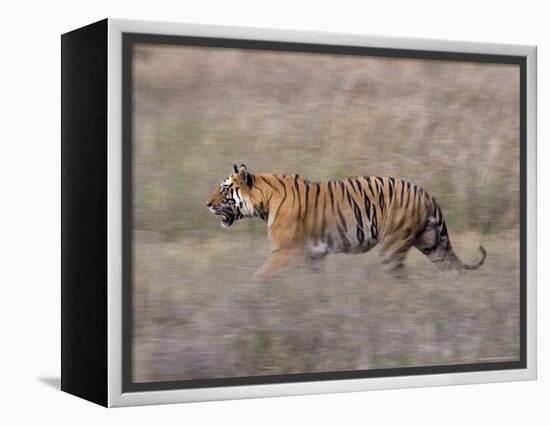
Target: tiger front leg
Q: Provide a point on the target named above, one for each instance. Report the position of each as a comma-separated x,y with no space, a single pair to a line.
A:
279,260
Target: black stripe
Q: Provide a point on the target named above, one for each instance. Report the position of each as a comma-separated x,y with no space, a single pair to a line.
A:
269,183
402,189
359,187
298,192
331,195
374,225
315,233
318,185
408,195
293,195
360,233
284,197
352,184
324,221
443,231
349,199
390,186
367,205
373,231
307,198
342,219
417,197
357,212
370,187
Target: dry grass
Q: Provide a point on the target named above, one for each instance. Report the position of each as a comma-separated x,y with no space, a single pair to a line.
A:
450,127
200,314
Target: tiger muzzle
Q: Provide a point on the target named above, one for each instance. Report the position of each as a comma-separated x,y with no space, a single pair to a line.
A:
225,212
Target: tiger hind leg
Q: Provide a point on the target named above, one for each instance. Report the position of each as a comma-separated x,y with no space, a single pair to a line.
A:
393,259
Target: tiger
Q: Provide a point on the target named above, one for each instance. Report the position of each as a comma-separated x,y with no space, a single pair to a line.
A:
309,220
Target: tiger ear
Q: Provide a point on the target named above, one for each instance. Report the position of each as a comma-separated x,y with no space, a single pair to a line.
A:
244,176
235,168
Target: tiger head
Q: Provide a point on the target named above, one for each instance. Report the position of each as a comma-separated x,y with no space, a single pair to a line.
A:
232,199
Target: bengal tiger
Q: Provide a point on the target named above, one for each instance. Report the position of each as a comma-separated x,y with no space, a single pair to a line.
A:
308,220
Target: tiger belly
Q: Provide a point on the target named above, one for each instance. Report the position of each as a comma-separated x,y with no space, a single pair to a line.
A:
342,242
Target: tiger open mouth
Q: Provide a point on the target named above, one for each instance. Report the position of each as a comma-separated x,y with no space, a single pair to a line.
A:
226,215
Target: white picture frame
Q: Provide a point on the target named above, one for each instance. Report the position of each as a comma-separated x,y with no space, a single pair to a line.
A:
115,393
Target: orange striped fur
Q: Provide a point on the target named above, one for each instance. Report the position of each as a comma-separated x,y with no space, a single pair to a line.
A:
309,220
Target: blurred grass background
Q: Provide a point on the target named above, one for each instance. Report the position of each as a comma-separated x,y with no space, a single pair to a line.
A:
451,127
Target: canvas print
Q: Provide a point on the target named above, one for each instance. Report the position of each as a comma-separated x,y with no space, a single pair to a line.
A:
306,212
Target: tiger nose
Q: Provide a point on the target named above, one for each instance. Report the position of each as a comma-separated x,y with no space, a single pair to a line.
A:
209,204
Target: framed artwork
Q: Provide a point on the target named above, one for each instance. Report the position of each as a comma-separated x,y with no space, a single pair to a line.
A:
251,212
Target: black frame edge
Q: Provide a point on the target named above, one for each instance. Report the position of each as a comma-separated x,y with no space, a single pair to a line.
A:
84,212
